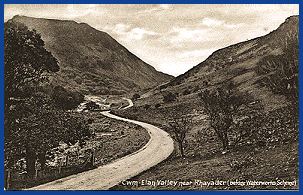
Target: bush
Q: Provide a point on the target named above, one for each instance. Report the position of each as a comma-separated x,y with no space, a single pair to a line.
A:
282,73
91,106
186,92
146,106
135,97
65,99
170,97
157,105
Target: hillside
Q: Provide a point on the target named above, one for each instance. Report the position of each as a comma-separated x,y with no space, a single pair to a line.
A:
242,64
222,141
91,61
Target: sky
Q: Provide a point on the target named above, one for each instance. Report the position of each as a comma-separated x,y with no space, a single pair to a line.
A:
171,37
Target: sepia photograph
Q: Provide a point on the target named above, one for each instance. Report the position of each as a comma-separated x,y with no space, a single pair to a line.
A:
151,97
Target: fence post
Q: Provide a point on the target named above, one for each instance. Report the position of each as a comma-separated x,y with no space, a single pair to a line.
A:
66,163
36,173
93,157
78,152
8,179
60,166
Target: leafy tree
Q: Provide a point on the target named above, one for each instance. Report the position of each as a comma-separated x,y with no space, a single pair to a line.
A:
26,61
32,130
38,127
26,65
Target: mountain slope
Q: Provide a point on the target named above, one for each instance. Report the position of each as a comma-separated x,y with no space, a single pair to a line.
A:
91,61
241,64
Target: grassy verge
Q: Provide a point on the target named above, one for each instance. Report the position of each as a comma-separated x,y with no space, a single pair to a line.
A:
270,164
112,139
115,139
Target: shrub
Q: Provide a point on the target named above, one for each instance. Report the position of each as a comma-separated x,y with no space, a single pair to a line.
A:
135,97
170,97
146,106
65,99
91,106
157,105
186,92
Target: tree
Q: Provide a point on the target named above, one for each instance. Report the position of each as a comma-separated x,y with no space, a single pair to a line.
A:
222,106
26,65
180,123
186,92
38,127
26,61
32,130
91,106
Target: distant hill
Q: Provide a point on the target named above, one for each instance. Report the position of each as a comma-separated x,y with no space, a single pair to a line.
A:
247,65
92,61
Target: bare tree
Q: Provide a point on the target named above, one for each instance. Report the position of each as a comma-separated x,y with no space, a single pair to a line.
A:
221,107
180,123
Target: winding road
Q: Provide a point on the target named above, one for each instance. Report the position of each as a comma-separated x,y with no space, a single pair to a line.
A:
159,147
130,103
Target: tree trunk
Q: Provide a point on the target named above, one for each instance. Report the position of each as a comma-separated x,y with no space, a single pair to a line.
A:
225,141
42,159
30,161
181,149
92,158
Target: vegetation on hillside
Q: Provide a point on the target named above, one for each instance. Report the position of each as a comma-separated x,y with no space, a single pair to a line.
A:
222,107
91,61
281,73
33,123
180,123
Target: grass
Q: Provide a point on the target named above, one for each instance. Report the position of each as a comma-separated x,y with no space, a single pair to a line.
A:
113,139
275,161
125,138
271,163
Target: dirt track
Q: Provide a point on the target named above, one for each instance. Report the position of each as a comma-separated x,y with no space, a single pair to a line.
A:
159,147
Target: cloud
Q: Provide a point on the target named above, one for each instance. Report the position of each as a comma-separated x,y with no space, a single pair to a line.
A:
173,37
76,11
220,23
127,33
120,29
196,53
231,26
155,8
138,33
183,35
211,22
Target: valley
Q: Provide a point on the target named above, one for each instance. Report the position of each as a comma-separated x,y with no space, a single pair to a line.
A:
229,123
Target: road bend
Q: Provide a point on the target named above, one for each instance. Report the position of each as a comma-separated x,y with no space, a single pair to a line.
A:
158,148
